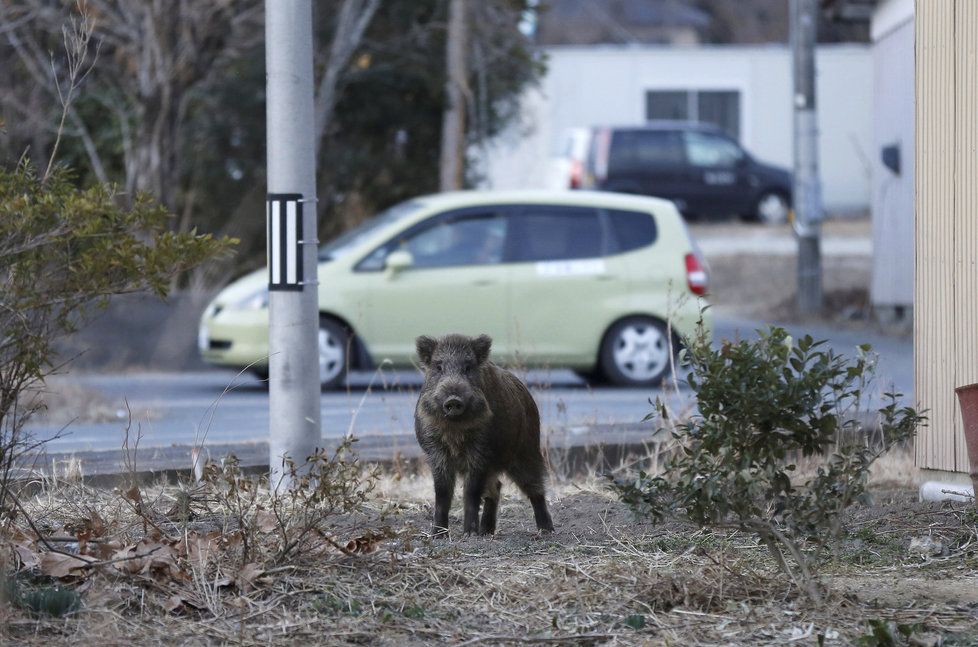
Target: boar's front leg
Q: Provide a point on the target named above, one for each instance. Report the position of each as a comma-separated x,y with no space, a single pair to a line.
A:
475,486
444,478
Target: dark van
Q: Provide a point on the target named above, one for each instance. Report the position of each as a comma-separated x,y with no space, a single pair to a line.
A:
697,166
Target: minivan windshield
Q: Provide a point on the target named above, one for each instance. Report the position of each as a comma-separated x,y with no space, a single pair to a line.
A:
340,246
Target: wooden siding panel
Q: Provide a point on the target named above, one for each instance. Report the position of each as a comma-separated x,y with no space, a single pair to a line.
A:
934,316
966,210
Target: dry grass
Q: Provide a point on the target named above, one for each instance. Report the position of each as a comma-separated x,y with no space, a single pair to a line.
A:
604,578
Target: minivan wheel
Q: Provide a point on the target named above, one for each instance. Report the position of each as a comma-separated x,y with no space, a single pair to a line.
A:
636,352
772,208
333,347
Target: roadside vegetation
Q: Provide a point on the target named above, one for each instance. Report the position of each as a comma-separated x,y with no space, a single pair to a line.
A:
763,406
347,558
168,564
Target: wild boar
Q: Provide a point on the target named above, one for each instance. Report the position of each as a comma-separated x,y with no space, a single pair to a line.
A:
477,419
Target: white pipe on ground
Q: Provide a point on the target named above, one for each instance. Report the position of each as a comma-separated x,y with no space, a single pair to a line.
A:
938,491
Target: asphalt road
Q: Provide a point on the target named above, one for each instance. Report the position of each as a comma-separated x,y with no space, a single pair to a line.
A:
220,407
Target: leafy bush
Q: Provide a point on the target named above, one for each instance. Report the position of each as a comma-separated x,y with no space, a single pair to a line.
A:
63,252
762,404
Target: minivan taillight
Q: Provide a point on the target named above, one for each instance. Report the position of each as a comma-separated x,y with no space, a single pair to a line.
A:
576,174
696,277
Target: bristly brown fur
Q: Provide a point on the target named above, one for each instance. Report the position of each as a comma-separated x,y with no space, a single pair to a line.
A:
477,419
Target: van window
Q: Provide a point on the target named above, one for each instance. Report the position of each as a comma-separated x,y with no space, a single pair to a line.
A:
553,234
631,229
635,150
704,149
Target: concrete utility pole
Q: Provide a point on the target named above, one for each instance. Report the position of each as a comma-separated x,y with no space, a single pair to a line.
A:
456,89
807,188
293,387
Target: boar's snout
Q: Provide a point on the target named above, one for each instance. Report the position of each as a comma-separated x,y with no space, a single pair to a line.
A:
453,406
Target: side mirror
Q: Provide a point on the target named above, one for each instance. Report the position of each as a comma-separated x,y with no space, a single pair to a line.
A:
398,261
890,156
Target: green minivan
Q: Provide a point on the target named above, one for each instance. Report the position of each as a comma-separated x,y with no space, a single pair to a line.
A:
601,283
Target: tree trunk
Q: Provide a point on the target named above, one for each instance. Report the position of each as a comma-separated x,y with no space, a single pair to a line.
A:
456,90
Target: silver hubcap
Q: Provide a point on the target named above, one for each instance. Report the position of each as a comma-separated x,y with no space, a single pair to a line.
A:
772,209
330,356
641,352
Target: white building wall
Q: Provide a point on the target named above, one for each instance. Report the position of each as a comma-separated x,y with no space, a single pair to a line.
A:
893,195
606,85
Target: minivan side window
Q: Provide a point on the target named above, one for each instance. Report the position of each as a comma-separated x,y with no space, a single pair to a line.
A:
545,233
475,239
630,229
704,149
636,150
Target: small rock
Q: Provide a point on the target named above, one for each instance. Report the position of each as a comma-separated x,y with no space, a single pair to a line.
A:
927,546
925,640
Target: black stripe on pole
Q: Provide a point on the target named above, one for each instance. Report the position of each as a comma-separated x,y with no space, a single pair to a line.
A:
278,251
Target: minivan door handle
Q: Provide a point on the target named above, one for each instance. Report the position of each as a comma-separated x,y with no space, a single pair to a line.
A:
483,282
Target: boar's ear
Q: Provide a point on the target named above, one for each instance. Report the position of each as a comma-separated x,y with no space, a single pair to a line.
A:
481,346
426,347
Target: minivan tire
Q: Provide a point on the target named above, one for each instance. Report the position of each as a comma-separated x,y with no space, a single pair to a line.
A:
772,208
636,351
333,345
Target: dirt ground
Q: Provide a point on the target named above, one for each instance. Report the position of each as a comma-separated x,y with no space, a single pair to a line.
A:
603,578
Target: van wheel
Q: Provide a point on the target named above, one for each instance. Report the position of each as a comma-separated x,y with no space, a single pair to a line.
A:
772,208
636,352
333,346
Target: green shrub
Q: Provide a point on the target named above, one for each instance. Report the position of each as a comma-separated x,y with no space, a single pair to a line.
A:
762,404
64,251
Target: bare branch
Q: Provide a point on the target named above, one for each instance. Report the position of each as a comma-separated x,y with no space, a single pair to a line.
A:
76,35
353,20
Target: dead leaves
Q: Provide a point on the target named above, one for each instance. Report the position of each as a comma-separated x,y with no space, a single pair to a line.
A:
266,521
26,558
162,560
180,566
157,560
247,577
63,565
365,544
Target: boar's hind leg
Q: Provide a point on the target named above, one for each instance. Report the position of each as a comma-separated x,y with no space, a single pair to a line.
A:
491,502
444,489
531,482
475,486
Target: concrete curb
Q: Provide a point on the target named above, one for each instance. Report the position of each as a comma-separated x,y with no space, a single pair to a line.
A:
574,450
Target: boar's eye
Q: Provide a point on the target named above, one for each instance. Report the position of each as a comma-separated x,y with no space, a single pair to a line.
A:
438,367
